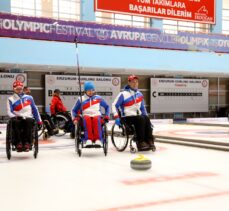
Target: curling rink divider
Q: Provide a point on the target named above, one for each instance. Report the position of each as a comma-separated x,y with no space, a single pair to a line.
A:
191,143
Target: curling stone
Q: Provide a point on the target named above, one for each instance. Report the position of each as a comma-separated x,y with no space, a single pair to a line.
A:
141,163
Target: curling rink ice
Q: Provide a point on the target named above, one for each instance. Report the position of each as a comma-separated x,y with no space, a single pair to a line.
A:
182,178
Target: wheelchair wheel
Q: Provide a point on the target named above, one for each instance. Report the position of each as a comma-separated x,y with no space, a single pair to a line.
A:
41,130
105,140
36,147
72,135
133,150
45,136
60,123
78,144
8,142
119,137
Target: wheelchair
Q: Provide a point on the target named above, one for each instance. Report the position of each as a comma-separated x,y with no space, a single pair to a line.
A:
10,139
122,135
64,124
79,138
42,131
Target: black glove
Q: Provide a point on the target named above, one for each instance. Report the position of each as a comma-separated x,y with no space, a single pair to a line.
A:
106,119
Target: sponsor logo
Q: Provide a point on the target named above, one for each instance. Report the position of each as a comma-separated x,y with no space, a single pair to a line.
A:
20,77
202,15
51,80
204,83
115,81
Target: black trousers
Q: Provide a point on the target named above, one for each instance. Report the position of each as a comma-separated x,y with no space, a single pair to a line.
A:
22,130
46,119
142,126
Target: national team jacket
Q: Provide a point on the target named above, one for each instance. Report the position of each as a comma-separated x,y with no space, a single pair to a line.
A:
129,103
91,106
57,105
22,105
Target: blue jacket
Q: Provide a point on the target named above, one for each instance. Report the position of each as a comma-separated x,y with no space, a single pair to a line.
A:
91,106
129,102
22,105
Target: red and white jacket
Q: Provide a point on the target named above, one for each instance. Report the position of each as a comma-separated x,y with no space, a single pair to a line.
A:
91,106
57,105
22,105
129,103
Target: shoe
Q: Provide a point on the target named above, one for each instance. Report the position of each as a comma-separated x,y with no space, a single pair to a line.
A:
153,148
98,143
88,143
151,144
55,131
50,133
26,147
19,147
143,146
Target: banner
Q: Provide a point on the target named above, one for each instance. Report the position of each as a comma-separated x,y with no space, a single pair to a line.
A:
6,88
107,87
170,95
105,34
202,11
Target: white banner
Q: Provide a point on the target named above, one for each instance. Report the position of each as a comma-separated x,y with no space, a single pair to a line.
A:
107,87
6,87
170,95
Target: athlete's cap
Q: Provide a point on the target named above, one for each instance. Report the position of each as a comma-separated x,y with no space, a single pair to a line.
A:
89,85
17,84
132,77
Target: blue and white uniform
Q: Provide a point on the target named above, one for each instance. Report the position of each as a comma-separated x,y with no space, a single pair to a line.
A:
91,106
129,102
22,105
91,110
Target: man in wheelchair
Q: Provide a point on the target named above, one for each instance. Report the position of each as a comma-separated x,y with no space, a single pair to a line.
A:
133,112
89,107
57,107
22,110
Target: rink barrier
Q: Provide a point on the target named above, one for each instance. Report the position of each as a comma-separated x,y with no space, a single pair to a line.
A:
221,122
222,146
161,121
206,120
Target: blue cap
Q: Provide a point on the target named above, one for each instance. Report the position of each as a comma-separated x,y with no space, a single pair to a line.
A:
89,85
